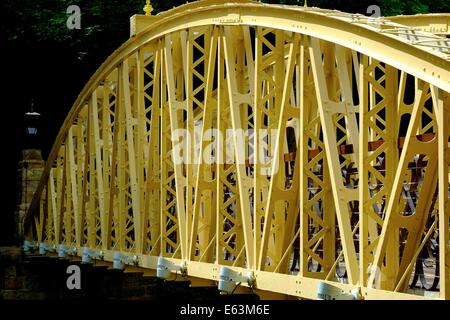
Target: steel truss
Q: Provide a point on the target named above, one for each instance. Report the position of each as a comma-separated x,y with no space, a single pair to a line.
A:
352,189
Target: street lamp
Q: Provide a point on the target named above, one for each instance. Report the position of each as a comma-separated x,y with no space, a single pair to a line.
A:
31,126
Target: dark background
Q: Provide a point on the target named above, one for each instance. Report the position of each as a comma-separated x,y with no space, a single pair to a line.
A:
45,62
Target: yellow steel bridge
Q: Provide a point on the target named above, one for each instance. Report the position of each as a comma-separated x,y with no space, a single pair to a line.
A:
295,151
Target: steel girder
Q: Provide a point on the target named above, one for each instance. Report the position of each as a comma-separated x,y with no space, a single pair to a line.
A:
438,23
302,144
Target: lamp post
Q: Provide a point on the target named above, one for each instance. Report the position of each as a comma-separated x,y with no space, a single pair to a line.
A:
31,161
31,127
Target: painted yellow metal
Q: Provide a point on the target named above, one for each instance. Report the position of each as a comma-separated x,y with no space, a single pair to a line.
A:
301,144
148,9
437,23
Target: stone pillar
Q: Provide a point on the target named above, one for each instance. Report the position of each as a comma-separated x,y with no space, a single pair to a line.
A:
29,173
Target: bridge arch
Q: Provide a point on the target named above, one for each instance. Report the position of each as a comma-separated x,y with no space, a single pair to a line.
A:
345,84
